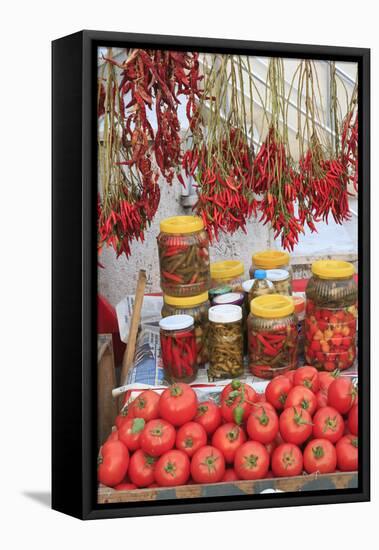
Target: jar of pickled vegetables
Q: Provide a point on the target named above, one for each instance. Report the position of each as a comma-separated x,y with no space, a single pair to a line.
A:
331,316
197,307
281,280
272,336
178,348
183,248
225,342
213,292
227,272
270,259
299,303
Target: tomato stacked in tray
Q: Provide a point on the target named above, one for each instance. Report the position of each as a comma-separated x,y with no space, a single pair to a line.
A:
305,422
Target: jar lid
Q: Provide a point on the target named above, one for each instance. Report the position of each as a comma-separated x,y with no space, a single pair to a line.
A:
176,322
246,285
229,298
299,302
275,275
332,269
226,313
260,274
271,306
227,269
270,259
181,224
185,301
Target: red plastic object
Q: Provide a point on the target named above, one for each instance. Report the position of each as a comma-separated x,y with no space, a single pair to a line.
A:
107,323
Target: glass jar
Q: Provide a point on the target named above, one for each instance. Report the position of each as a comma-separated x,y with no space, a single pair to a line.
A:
197,307
281,280
178,348
272,336
183,248
227,272
299,303
331,316
225,342
270,259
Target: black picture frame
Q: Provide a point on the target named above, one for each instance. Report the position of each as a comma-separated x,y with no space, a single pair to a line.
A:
74,274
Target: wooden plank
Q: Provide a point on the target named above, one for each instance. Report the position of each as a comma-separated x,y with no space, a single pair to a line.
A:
106,382
313,482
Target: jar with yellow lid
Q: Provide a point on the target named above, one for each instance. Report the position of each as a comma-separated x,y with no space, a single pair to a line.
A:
227,272
183,248
272,336
271,259
331,316
197,307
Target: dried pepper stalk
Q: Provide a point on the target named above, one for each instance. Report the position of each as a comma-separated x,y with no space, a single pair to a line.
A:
130,193
220,158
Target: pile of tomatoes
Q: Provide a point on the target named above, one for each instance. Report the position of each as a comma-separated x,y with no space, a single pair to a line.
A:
306,421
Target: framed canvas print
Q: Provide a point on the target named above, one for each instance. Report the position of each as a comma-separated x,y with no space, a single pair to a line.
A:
210,275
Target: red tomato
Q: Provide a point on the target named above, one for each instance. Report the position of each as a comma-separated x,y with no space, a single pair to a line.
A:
326,378
251,461
290,375
320,456
328,424
209,416
130,433
307,376
178,404
352,420
236,401
322,398
230,475
295,425
263,424
173,468
277,391
145,405
122,417
113,436
125,487
227,438
190,437
347,453
113,463
207,465
141,468
158,436
300,396
341,394
287,460
258,406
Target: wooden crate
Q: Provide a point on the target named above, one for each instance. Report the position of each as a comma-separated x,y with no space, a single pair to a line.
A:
312,482
106,382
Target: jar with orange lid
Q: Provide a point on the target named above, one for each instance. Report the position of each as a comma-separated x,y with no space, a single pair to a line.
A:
272,335
197,307
271,259
331,316
183,248
227,273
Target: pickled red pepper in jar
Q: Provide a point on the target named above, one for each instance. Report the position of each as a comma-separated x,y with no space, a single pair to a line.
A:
272,336
183,248
331,316
197,307
178,348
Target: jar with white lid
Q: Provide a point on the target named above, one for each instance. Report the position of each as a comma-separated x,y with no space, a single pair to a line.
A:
281,280
225,341
197,307
178,348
